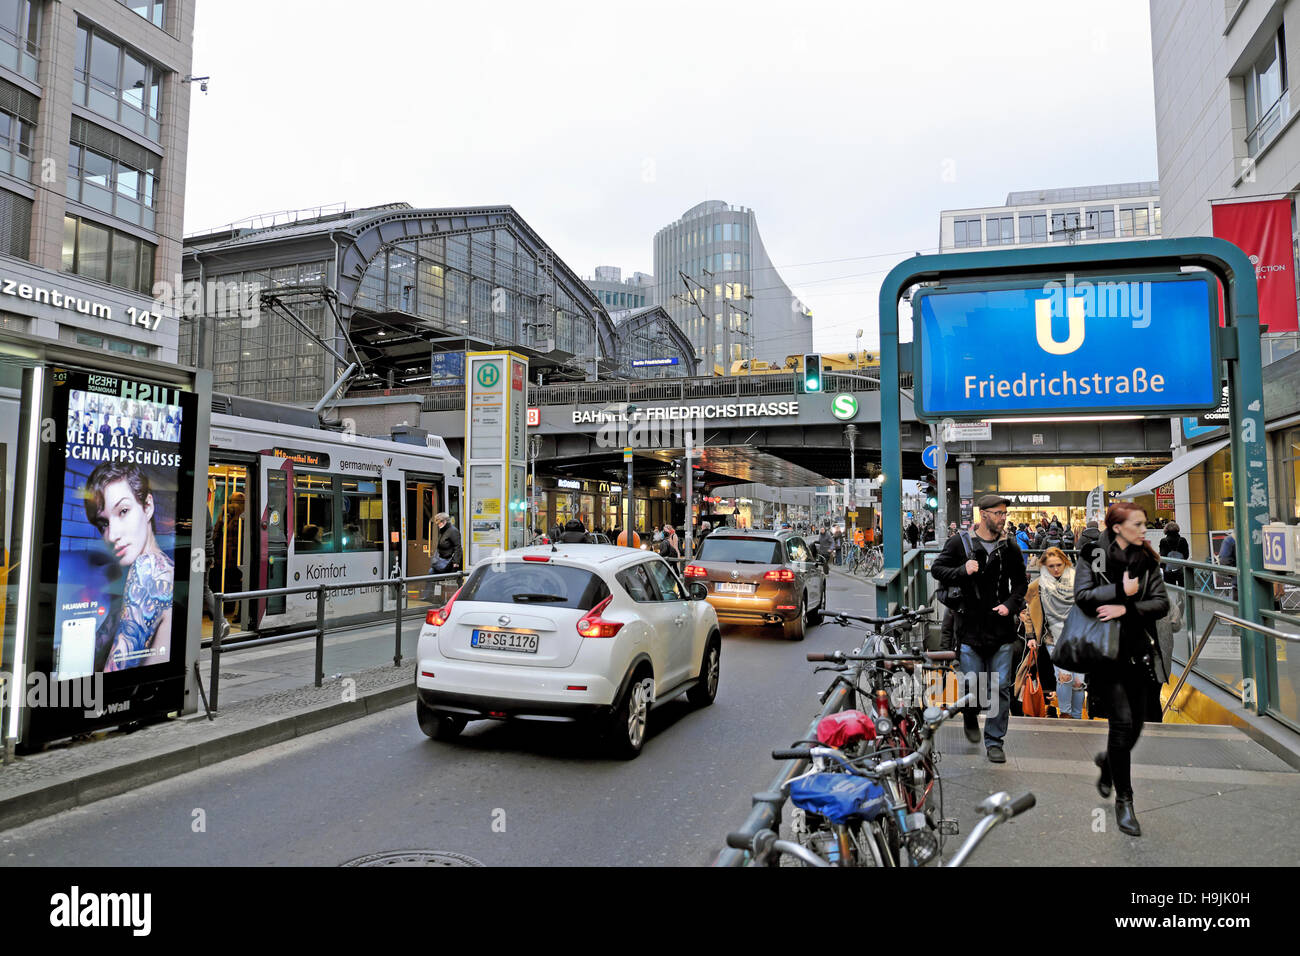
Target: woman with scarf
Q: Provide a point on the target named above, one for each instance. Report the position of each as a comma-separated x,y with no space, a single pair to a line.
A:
1118,578
1051,595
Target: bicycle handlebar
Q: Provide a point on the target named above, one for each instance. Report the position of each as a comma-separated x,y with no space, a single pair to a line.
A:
839,657
903,615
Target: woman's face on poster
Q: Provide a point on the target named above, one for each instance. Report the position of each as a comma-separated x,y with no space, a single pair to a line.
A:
127,528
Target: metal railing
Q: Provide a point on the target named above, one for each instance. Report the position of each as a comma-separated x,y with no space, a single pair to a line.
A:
1205,636
399,585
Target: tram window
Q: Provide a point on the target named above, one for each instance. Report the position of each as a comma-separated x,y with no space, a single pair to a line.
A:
313,508
363,516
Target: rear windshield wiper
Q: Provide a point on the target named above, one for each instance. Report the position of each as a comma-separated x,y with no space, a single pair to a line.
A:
529,598
750,561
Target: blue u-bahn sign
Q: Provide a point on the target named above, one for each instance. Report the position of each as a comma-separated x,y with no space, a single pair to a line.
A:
1115,344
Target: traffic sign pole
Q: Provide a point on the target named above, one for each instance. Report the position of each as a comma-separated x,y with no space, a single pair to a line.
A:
941,460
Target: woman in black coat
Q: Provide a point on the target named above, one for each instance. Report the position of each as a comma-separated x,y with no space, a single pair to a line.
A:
1118,578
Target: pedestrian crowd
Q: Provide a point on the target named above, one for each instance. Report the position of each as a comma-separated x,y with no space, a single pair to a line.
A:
1009,618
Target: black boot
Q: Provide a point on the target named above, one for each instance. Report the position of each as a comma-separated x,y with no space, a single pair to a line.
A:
1124,815
1103,782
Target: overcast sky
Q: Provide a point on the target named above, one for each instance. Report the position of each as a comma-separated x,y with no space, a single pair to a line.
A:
847,127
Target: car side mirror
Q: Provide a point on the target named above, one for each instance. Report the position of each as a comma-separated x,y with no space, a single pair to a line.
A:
698,591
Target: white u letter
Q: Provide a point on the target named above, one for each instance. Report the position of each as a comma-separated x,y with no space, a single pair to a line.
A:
1043,326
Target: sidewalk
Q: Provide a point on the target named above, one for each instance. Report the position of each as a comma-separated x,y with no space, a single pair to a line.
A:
266,697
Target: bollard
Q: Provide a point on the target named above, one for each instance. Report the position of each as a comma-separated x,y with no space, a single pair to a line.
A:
320,637
397,646
219,602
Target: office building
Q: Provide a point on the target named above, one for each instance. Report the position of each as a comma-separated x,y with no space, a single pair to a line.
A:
94,123
715,278
617,293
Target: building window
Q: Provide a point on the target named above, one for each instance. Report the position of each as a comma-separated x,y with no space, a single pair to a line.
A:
117,83
106,255
151,10
112,344
1065,226
15,224
967,232
16,136
1101,224
1000,229
1267,99
1033,228
20,36
100,178
1134,221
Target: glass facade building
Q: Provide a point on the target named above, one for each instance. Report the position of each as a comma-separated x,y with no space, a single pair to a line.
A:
715,279
287,304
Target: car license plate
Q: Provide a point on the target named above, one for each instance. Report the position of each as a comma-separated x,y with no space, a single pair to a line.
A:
729,588
525,642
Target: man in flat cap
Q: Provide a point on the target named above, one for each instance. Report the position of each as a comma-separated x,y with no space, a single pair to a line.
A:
989,569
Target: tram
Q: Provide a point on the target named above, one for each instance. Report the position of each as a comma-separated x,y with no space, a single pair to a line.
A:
293,504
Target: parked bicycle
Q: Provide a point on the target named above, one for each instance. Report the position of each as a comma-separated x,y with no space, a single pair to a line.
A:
768,849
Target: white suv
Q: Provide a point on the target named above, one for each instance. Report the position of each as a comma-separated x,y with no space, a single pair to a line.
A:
583,631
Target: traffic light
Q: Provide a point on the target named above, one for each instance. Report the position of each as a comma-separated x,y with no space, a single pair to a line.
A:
812,372
675,480
930,489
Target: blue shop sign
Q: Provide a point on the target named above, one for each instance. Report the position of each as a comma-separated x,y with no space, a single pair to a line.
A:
1145,344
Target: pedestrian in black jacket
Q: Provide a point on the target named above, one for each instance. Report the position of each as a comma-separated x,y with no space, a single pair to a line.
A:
1118,578
1174,545
993,582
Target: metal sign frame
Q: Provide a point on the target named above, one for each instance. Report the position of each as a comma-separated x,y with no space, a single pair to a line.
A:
1239,337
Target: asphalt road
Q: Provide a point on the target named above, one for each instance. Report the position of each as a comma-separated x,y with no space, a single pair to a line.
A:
520,793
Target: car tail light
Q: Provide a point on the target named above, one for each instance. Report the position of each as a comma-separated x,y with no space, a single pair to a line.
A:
592,624
438,616
782,574
695,571
537,557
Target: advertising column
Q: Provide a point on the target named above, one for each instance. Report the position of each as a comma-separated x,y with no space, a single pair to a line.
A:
495,411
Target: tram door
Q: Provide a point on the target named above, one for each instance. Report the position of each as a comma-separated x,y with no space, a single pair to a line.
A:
423,501
228,502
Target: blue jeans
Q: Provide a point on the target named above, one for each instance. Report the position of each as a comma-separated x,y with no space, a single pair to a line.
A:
986,672
1069,694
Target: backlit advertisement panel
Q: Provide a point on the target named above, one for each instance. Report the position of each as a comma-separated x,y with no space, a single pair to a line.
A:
116,553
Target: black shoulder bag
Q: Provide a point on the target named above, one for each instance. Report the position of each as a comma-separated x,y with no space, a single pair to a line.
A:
1085,641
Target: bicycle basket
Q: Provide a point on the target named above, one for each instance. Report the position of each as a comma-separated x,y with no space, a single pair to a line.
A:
839,797
846,727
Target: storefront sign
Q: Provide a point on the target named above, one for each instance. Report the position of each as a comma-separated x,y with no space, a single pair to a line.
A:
1136,344
1029,499
568,483
1208,421
534,417
690,412
1165,498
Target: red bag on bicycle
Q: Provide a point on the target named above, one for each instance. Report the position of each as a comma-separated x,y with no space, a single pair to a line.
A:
846,727
1032,701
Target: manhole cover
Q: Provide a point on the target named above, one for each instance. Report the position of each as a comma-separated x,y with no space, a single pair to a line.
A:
414,858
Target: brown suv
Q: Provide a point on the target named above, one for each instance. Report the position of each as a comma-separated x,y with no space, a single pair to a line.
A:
762,577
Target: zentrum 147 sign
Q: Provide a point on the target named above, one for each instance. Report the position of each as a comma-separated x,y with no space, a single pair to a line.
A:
1143,344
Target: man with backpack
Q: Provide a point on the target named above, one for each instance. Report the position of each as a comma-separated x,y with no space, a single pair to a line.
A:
986,568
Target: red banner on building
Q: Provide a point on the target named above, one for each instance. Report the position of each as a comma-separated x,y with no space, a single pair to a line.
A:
1262,230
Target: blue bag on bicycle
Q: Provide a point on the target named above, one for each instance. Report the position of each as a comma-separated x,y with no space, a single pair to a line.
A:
838,797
